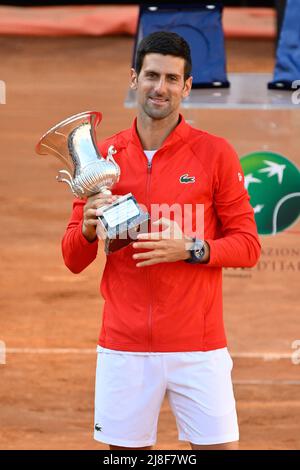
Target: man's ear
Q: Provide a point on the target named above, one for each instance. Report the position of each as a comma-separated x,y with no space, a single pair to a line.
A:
133,79
187,87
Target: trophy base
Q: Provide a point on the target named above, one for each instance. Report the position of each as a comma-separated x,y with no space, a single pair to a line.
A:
122,221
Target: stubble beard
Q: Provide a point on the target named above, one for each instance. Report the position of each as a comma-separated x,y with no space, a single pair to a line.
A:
157,114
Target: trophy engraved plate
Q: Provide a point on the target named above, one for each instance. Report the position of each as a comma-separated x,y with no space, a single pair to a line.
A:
122,221
73,142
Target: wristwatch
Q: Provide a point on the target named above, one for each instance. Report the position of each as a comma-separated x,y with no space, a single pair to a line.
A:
197,251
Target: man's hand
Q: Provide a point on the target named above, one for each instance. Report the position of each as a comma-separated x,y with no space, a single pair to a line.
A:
90,219
166,246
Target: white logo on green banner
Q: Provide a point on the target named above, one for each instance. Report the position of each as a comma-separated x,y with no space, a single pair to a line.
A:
273,184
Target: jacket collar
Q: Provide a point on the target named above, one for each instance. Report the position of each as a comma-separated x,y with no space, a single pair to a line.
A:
180,132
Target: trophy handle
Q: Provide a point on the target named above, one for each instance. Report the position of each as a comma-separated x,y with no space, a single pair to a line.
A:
111,151
68,180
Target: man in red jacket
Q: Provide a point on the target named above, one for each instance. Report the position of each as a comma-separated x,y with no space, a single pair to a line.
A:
162,329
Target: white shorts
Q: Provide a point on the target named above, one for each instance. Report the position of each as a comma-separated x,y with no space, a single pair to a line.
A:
130,388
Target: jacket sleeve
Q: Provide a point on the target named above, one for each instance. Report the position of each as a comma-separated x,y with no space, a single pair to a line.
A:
239,244
77,252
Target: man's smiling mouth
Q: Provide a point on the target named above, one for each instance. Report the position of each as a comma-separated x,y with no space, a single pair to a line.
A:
157,100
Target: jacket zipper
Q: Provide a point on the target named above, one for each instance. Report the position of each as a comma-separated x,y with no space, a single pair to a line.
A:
149,169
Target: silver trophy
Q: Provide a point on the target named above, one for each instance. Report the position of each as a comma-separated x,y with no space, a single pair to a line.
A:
73,141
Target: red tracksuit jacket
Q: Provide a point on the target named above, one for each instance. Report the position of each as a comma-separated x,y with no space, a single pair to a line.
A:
171,306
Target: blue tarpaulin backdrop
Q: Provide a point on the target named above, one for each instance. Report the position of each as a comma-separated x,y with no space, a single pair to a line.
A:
201,27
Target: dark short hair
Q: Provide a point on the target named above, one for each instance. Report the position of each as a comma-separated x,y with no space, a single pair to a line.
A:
166,43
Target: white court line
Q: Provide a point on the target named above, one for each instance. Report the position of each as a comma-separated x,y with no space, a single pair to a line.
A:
266,382
266,356
248,355
50,351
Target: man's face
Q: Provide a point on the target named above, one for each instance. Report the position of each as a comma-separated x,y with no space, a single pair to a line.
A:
160,85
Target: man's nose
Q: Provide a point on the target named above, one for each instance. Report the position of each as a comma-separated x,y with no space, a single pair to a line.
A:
160,86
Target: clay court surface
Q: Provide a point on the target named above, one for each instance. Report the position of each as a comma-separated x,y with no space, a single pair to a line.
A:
46,395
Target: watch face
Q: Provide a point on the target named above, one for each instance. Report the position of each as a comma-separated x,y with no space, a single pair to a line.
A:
199,253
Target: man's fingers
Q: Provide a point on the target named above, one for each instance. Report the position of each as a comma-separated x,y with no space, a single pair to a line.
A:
167,234
91,213
91,208
99,211
147,245
101,201
99,196
148,254
92,222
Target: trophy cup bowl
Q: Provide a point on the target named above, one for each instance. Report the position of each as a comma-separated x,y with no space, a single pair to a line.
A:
73,142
